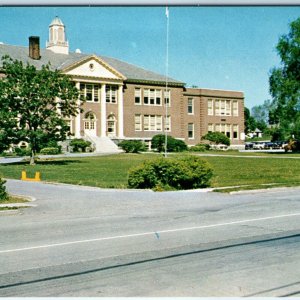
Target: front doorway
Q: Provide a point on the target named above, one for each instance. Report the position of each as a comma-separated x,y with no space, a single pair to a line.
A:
111,126
90,123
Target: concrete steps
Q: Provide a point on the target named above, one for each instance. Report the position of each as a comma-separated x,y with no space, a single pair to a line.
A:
103,144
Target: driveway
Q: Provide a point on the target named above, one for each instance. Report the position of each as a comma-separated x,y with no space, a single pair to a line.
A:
84,241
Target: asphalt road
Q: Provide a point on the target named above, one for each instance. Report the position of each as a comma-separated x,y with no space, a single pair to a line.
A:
81,241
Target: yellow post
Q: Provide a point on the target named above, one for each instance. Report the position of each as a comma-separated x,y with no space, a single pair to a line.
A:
37,176
23,175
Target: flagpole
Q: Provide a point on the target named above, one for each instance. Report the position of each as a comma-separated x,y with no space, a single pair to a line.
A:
166,91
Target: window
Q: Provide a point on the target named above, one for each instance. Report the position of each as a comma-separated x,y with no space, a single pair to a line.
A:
235,131
222,110
191,130
90,92
146,122
152,97
69,124
158,97
137,96
228,108
217,108
190,106
228,130
89,121
222,107
167,97
138,122
210,107
210,128
159,123
167,123
152,123
146,96
111,94
235,111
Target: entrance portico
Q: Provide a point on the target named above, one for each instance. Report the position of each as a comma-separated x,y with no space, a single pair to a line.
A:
101,86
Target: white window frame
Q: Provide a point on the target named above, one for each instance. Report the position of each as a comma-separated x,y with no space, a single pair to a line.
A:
138,95
190,106
235,108
95,91
167,123
167,98
235,128
111,94
152,123
138,122
152,97
210,107
191,129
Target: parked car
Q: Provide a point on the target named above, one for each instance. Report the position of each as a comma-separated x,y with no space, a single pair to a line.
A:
270,145
258,145
249,146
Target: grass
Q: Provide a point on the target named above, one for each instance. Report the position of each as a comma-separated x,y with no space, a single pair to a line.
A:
111,171
12,199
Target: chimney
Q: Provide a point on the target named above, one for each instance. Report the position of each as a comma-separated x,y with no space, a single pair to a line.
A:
34,47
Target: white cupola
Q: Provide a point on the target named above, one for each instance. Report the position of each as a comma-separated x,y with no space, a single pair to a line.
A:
57,37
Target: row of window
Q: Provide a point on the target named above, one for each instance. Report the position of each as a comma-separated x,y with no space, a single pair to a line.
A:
152,122
91,92
151,97
230,130
219,107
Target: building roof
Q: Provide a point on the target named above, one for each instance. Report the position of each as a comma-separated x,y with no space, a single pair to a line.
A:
61,61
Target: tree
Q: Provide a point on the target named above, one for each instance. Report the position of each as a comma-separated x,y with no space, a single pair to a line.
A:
261,114
285,85
217,138
34,104
250,123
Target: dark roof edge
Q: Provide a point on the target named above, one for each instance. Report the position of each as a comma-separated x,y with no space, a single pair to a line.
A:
154,82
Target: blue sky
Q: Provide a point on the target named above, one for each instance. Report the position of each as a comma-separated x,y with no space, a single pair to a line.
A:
229,48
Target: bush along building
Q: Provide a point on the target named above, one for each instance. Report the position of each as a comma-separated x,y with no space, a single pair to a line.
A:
124,101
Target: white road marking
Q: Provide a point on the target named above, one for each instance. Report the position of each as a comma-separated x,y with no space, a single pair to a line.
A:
150,233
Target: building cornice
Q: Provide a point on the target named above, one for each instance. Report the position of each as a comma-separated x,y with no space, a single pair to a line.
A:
154,82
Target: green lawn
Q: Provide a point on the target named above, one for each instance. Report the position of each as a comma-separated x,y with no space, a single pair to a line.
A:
111,171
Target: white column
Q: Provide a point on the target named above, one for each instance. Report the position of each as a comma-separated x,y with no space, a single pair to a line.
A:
120,112
103,110
77,118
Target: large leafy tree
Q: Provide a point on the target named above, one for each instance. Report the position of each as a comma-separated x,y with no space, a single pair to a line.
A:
285,84
34,104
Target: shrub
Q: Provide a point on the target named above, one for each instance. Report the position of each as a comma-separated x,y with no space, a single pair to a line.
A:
200,148
80,145
217,138
185,173
22,151
173,145
293,145
3,193
132,146
50,151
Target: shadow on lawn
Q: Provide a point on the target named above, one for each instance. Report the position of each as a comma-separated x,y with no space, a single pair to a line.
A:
45,163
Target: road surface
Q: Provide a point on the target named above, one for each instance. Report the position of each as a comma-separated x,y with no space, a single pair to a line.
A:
84,241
